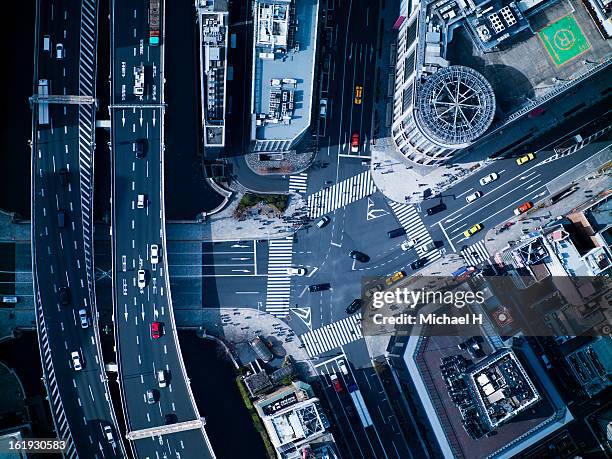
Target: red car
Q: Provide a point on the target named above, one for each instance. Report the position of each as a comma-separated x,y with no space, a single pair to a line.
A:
336,382
156,330
355,142
523,208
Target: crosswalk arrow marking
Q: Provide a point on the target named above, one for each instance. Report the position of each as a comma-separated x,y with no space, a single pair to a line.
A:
374,213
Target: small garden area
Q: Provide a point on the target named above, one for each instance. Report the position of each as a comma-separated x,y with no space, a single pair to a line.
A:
272,205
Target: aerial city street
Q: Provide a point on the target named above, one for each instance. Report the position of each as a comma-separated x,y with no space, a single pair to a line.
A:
307,229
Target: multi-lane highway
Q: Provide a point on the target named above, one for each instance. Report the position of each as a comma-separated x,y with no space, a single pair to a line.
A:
62,157
154,386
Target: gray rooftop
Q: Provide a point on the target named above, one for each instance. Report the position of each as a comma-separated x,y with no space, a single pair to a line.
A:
295,63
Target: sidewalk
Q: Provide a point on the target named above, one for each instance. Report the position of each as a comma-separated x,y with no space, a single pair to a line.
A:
222,226
238,326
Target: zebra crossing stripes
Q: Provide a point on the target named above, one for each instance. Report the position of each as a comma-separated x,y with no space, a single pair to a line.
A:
280,254
341,194
298,182
476,253
332,336
410,220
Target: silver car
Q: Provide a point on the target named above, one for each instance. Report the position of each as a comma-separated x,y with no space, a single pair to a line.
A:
84,319
142,279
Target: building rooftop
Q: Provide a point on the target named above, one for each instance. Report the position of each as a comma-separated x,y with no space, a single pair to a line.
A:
591,365
283,68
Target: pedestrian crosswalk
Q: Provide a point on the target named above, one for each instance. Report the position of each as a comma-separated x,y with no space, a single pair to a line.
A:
342,193
476,253
280,254
333,335
409,218
298,182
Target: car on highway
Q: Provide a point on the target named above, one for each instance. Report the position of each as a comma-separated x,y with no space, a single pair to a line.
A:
488,179
142,279
336,383
142,201
372,290
47,43
355,142
409,243
61,218
64,177
359,256
293,271
162,381
354,306
156,330
416,264
154,254
396,232
358,94
395,277
151,396
323,221
342,366
60,53
473,197
64,295
473,230
170,418
77,363
83,318
523,208
523,159
436,209
138,147
323,108
319,287
108,434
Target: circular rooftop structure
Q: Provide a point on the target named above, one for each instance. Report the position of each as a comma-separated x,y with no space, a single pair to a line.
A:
455,106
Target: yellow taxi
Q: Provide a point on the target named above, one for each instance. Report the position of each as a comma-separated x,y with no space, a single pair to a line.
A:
358,92
397,276
523,159
473,230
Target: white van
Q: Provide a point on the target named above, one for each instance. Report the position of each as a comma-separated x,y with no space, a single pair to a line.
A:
141,201
47,43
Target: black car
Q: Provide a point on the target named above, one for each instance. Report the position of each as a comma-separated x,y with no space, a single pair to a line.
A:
139,149
359,256
64,176
418,263
64,295
435,209
170,418
319,287
354,306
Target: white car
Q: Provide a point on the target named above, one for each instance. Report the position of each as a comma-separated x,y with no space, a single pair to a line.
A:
83,318
473,197
154,254
408,244
108,433
161,378
342,367
76,361
142,279
296,271
59,51
141,201
323,108
488,178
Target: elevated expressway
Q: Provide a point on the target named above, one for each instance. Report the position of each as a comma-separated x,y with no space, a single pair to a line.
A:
62,250
168,424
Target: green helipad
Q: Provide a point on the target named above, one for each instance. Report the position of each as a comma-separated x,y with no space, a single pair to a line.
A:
564,40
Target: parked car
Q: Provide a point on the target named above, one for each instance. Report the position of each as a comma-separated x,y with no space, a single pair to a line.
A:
359,256
319,287
488,178
523,208
473,197
336,383
523,159
323,221
77,364
156,330
473,230
370,292
354,306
